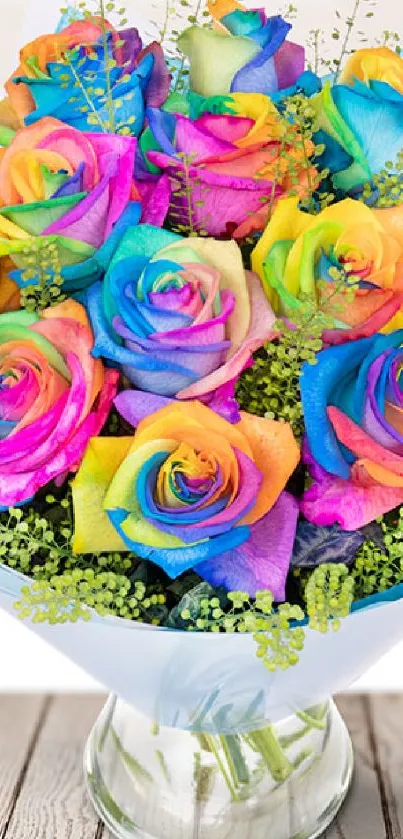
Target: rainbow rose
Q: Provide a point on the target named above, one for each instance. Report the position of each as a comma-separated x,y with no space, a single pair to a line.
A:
246,52
301,256
181,317
54,397
360,119
64,76
71,187
353,411
228,169
190,490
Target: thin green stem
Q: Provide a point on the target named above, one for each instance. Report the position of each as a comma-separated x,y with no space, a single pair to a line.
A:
110,105
164,30
349,29
221,766
267,744
85,93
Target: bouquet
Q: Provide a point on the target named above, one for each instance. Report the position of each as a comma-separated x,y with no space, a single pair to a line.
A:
201,400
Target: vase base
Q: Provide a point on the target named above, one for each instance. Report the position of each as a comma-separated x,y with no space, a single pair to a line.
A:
187,802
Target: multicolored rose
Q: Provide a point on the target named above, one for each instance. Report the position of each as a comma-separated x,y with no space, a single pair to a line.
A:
353,411
69,186
360,118
190,490
301,256
246,52
227,170
54,397
181,317
90,77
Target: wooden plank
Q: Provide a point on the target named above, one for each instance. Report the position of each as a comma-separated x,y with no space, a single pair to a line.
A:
52,803
385,720
21,719
362,815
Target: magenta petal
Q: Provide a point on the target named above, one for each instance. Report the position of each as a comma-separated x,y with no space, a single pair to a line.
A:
224,403
263,561
335,501
136,405
225,127
25,441
330,500
219,201
192,140
72,412
155,200
289,62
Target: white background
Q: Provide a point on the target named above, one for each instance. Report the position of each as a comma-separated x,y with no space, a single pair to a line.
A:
26,662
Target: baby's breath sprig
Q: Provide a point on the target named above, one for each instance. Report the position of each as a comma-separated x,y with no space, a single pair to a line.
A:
188,194
40,258
69,597
329,594
300,113
38,543
315,45
386,188
378,568
289,12
278,644
391,39
271,387
351,23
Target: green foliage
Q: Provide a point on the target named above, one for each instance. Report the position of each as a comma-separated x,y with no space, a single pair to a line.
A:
329,594
38,543
300,113
278,644
183,215
342,33
191,606
386,188
70,596
391,39
271,388
378,568
41,263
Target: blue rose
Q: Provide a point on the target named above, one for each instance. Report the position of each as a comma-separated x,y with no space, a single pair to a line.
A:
360,119
78,73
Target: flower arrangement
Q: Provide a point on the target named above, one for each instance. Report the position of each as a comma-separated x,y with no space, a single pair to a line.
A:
201,333
201,295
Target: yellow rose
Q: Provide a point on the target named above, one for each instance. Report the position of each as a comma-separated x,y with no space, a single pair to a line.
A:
302,256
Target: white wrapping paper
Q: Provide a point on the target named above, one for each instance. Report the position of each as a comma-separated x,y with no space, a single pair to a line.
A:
185,679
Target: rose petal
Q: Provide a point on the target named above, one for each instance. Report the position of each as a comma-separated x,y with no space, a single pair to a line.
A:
263,561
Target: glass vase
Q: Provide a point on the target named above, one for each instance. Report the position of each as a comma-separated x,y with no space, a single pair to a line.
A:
281,781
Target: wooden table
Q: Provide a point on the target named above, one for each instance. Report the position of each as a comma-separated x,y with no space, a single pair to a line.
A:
42,794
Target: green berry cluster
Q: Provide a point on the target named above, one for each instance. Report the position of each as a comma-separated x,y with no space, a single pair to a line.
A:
41,264
278,644
386,188
329,594
38,543
379,566
70,596
271,388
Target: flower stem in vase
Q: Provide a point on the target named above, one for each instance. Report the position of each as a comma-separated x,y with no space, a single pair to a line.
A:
266,743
